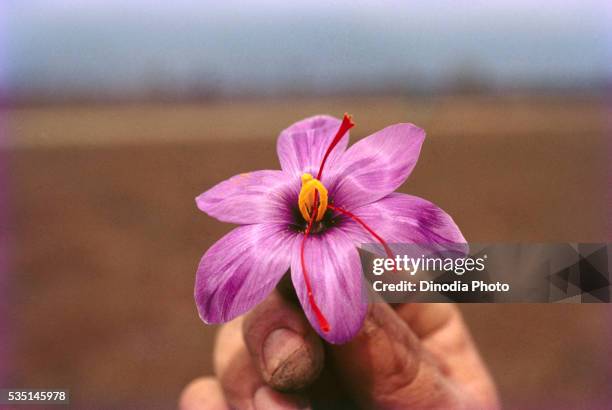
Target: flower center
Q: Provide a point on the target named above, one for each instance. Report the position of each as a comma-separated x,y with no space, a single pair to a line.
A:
312,191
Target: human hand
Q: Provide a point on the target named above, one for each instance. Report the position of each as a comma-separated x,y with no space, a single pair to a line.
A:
406,356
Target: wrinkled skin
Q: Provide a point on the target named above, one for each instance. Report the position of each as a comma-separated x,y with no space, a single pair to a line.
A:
416,356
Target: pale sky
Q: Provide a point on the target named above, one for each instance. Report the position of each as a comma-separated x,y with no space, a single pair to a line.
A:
69,42
438,9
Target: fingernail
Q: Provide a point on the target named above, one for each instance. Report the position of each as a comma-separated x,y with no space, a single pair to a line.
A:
267,398
278,347
290,362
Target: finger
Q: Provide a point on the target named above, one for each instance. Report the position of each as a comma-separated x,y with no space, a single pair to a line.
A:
283,345
203,394
266,398
385,365
238,377
425,318
241,381
443,332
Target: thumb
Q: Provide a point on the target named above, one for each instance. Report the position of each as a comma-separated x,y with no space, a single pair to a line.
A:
385,366
282,344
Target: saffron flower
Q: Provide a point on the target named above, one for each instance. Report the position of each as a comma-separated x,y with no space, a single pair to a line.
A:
310,217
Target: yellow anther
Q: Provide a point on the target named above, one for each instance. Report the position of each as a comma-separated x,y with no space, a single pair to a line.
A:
306,199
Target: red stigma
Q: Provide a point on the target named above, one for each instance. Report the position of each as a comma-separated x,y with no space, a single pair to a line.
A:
347,124
366,227
323,323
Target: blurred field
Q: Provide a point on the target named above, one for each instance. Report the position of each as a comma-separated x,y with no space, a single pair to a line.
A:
107,236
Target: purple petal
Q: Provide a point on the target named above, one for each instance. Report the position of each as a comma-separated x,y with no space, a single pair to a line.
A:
301,147
241,269
254,197
377,165
334,269
401,218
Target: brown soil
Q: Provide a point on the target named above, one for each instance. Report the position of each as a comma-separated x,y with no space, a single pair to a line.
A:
107,237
